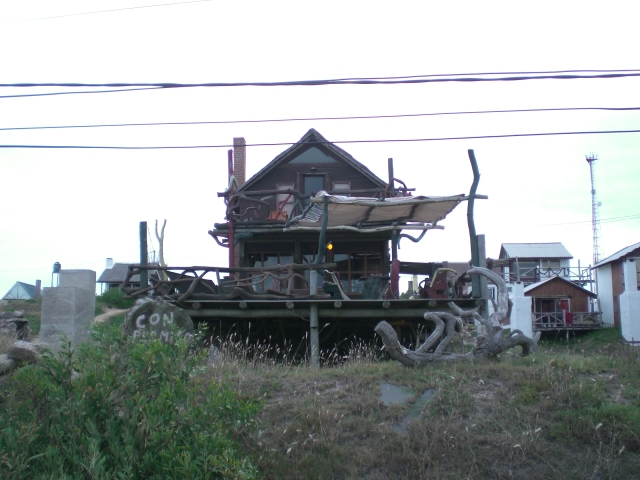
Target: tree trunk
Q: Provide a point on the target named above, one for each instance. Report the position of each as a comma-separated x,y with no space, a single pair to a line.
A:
488,346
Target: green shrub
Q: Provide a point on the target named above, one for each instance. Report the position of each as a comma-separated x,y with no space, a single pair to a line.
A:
118,408
115,298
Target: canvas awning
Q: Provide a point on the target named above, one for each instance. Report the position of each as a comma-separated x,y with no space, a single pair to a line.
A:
354,211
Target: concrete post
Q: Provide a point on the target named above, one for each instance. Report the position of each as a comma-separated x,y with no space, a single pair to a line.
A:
521,316
69,309
630,304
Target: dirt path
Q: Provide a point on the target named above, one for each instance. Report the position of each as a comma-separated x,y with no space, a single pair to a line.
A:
109,312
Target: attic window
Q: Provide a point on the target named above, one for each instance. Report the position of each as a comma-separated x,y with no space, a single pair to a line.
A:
341,188
313,155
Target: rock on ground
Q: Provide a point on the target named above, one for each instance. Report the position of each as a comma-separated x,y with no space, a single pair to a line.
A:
7,365
22,351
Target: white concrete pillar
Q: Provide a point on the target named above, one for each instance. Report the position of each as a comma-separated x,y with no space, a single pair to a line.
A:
521,316
69,309
630,304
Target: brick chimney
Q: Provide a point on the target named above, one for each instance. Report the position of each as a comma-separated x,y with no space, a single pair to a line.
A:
240,159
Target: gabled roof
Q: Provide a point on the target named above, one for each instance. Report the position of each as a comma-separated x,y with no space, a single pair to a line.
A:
313,138
534,250
28,290
616,256
533,286
117,274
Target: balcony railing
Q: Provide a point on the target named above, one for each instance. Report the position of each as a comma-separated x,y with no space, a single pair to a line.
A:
580,276
566,320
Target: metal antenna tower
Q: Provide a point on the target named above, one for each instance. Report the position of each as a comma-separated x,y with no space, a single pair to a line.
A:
595,210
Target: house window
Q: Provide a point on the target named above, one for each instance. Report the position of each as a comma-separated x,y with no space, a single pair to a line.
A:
354,266
312,185
549,268
546,263
263,282
285,201
312,155
527,271
341,188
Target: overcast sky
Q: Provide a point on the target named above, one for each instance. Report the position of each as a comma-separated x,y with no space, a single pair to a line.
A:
78,207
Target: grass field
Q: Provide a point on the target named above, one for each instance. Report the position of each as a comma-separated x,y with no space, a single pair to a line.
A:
570,411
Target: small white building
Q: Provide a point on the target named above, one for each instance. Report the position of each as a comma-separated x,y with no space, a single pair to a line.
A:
617,281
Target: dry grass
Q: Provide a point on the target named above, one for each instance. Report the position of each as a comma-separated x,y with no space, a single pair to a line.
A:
571,411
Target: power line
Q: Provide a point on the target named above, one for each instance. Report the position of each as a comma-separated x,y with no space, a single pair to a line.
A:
308,119
353,81
102,11
275,144
83,92
606,220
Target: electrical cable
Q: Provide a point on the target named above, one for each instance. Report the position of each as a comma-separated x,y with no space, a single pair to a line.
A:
275,144
362,117
602,220
440,78
102,11
75,93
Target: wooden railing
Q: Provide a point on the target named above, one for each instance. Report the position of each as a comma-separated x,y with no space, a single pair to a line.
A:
566,321
182,283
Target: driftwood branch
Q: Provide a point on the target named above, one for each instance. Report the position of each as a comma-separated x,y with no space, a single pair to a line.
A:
488,346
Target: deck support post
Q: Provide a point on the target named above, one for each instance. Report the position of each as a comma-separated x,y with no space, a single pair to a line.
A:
144,255
313,320
473,238
484,290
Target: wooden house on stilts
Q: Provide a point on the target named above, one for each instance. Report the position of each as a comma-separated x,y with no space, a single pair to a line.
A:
312,240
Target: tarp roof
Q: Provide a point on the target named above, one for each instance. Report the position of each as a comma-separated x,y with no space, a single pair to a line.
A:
357,210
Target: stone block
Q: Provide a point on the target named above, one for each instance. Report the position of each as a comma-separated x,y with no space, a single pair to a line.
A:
25,352
66,311
84,279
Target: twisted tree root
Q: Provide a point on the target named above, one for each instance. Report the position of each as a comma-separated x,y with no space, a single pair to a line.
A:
489,346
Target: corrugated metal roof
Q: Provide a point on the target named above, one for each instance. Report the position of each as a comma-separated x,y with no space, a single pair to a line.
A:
534,250
618,255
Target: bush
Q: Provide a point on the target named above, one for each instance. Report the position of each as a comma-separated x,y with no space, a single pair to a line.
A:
115,298
119,408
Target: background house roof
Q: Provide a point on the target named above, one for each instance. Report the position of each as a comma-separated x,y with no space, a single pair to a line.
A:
616,256
28,290
534,250
533,286
313,137
117,274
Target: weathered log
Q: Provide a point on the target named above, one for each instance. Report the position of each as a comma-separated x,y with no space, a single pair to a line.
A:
488,346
